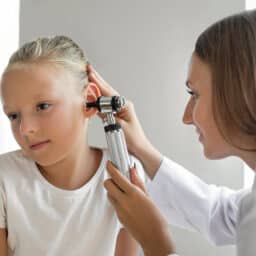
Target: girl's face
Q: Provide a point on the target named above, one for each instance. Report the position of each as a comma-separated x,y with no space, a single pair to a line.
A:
198,111
45,110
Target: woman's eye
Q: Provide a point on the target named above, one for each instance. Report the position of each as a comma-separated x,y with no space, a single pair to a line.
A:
193,94
190,92
43,106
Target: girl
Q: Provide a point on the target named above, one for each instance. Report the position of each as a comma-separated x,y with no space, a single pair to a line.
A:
52,199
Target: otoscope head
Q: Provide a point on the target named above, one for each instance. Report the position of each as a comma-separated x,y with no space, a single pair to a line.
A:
105,105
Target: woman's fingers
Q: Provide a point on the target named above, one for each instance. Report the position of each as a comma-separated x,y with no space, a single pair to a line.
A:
95,77
118,178
95,74
115,194
115,203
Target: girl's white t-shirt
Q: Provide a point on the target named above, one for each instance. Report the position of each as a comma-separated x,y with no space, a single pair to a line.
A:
42,219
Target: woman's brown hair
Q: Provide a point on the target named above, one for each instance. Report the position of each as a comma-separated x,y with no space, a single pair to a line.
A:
229,48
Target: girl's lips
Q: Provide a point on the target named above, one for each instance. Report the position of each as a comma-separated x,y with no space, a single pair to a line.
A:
39,145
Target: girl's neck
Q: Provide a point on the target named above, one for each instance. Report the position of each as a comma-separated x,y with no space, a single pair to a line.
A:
75,170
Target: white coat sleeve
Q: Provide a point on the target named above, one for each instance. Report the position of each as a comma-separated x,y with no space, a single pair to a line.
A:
188,202
246,228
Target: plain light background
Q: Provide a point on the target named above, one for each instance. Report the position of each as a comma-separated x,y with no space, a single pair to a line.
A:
143,48
9,30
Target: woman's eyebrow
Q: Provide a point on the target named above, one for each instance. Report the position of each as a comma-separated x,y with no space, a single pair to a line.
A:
187,83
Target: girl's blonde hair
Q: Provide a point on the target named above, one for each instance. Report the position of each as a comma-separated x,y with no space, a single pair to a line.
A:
58,50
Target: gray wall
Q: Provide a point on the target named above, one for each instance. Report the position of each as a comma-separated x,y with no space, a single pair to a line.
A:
142,48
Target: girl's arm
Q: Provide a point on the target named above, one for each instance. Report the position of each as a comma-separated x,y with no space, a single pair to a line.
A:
126,245
3,242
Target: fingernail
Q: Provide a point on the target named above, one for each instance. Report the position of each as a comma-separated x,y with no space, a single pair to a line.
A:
110,164
134,169
133,173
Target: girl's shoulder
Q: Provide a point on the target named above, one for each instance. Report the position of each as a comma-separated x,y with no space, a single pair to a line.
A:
13,161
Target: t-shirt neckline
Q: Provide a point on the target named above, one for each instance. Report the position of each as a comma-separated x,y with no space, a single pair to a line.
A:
64,192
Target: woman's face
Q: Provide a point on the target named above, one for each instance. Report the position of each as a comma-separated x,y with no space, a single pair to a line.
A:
199,113
45,111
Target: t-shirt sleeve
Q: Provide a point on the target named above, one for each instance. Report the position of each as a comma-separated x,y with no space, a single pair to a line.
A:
2,207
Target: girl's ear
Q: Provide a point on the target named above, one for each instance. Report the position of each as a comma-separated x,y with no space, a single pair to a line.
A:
91,94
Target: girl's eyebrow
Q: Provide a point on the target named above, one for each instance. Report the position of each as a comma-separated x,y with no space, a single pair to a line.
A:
38,96
5,108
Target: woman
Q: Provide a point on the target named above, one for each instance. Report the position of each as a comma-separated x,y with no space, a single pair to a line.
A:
222,107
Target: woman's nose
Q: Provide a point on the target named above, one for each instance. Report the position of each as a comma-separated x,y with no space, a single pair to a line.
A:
188,113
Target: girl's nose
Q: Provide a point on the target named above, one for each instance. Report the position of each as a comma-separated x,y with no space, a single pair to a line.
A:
28,125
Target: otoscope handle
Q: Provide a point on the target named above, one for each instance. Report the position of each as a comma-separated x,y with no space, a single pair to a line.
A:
117,148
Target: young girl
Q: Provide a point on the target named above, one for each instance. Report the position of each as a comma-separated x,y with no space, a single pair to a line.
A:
52,199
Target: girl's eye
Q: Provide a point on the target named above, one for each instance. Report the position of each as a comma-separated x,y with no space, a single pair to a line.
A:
42,106
12,116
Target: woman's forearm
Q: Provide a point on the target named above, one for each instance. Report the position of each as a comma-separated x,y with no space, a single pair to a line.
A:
150,158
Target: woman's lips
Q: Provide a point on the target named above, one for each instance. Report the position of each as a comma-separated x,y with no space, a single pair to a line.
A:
39,145
199,134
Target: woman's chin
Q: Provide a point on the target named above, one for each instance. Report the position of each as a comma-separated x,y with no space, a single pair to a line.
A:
214,154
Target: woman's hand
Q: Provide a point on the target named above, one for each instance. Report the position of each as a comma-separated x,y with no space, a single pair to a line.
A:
126,117
138,213
137,142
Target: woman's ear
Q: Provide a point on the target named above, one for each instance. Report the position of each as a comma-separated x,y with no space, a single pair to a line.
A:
91,94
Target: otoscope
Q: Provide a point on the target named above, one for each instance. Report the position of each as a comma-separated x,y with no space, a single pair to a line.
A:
113,131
